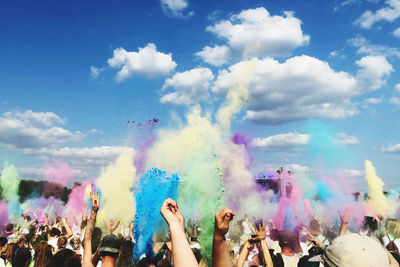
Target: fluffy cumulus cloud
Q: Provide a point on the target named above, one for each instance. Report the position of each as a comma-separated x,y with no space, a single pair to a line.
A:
395,101
348,140
388,13
187,87
147,61
365,47
373,72
303,87
300,88
34,130
95,72
281,142
397,32
254,32
216,56
176,8
39,173
391,148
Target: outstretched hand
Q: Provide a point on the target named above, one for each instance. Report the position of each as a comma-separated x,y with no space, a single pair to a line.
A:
222,219
344,217
171,213
261,232
95,201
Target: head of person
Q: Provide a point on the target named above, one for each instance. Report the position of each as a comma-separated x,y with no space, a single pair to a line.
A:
61,258
62,242
285,239
43,253
35,241
125,254
146,262
21,241
314,227
357,251
9,228
54,232
22,258
75,243
109,247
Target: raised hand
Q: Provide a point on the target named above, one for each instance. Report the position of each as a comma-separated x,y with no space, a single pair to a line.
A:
344,217
222,219
171,213
262,231
95,201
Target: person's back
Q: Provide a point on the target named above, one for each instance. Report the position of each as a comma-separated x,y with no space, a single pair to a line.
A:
22,257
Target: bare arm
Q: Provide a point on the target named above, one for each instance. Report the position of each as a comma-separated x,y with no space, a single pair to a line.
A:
243,254
67,228
181,251
87,242
261,234
220,252
344,218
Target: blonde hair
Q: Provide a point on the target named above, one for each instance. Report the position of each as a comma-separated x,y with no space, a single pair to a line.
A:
393,227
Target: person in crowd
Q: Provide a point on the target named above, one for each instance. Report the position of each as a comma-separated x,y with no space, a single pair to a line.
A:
43,253
22,257
181,253
87,241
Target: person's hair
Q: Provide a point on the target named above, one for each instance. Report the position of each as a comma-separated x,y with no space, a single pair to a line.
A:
42,254
73,241
273,234
96,239
3,241
62,242
10,251
9,227
54,232
35,241
21,239
197,254
125,258
164,263
73,261
145,262
109,254
393,227
44,236
314,227
22,258
60,258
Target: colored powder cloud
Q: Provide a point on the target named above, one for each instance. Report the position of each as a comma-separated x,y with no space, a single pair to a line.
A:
115,184
376,199
150,191
76,204
9,182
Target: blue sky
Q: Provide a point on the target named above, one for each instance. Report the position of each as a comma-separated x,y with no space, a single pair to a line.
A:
73,73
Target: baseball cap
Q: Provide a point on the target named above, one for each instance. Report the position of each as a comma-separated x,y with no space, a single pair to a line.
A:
110,243
356,250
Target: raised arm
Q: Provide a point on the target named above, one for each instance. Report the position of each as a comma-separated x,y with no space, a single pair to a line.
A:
87,242
261,234
67,228
181,251
220,252
344,218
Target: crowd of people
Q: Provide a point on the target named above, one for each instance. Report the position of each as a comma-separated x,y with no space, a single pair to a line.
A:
240,242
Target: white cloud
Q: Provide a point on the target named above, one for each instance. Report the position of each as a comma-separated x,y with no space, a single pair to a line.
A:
39,173
352,173
300,88
395,101
388,13
147,61
373,100
189,87
281,142
21,130
95,72
397,87
254,32
364,47
349,140
391,148
397,32
373,72
216,56
175,8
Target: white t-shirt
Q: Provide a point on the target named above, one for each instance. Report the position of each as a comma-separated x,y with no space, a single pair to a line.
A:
53,243
291,261
2,263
